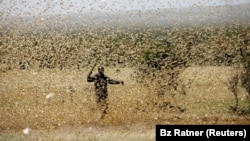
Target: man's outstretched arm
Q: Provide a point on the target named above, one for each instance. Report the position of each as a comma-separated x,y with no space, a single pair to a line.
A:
112,81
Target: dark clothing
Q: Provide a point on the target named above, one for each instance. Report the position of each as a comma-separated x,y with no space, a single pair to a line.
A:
101,81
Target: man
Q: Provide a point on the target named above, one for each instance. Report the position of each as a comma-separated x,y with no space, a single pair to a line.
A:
101,81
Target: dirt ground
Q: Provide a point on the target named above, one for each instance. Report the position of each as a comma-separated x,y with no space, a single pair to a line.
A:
68,115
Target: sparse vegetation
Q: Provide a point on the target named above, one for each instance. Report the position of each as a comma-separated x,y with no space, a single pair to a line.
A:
157,58
173,75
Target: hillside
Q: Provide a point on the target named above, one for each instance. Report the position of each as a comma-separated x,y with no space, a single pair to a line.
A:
198,16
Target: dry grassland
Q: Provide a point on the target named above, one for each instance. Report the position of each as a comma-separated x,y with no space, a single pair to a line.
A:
44,94
60,105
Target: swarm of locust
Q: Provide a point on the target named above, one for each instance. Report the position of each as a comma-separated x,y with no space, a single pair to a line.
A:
206,47
155,53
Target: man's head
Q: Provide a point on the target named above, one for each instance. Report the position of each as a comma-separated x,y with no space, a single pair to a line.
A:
101,69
